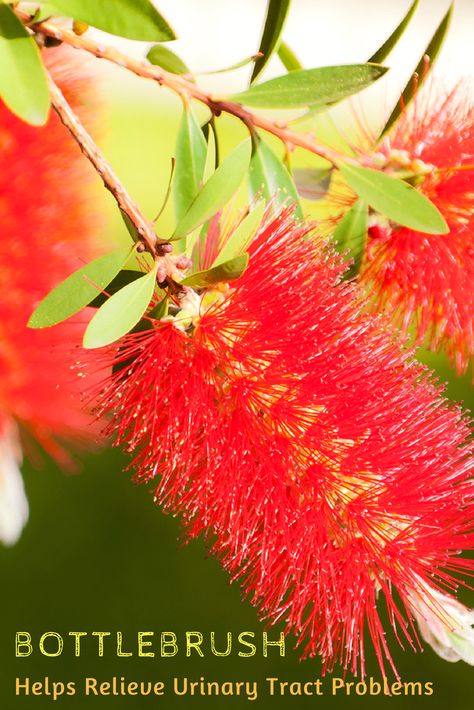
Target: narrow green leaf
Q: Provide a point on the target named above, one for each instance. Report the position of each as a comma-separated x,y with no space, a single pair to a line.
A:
191,150
163,57
395,199
217,191
421,72
277,11
23,83
227,271
288,58
160,310
78,290
391,42
270,179
196,246
123,278
209,130
351,233
120,312
311,87
130,226
232,67
212,149
243,235
134,19
189,244
312,183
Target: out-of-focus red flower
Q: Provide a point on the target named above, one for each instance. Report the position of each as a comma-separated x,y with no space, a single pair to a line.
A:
421,279
319,461
47,232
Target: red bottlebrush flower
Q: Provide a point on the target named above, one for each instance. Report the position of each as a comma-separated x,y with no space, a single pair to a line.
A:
421,279
47,232
318,460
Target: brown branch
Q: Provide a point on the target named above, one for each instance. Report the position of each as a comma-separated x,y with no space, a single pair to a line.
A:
145,229
181,85
129,207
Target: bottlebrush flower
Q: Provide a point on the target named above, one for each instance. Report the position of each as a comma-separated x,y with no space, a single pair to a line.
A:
47,230
422,279
318,460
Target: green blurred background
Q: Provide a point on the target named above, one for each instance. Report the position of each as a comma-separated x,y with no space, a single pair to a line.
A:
98,555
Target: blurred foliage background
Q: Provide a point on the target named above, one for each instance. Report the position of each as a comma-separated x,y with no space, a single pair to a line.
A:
96,553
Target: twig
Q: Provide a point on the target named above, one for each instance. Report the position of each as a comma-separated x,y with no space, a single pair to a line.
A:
144,227
158,248
182,86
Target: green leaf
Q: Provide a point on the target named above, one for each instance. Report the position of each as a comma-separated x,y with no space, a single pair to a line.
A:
212,149
395,199
23,83
217,191
134,19
227,271
288,58
120,312
391,42
210,134
270,179
312,183
351,233
160,310
196,243
130,226
311,87
163,57
421,72
243,235
191,150
123,278
232,67
277,11
78,290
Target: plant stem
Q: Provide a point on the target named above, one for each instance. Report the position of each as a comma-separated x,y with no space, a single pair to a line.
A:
144,227
182,86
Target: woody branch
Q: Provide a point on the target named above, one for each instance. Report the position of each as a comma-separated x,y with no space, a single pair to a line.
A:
129,207
182,86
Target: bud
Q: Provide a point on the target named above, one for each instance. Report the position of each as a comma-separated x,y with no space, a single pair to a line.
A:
445,624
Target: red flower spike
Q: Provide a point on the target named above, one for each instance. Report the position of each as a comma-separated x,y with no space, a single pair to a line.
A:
317,459
47,231
422,279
